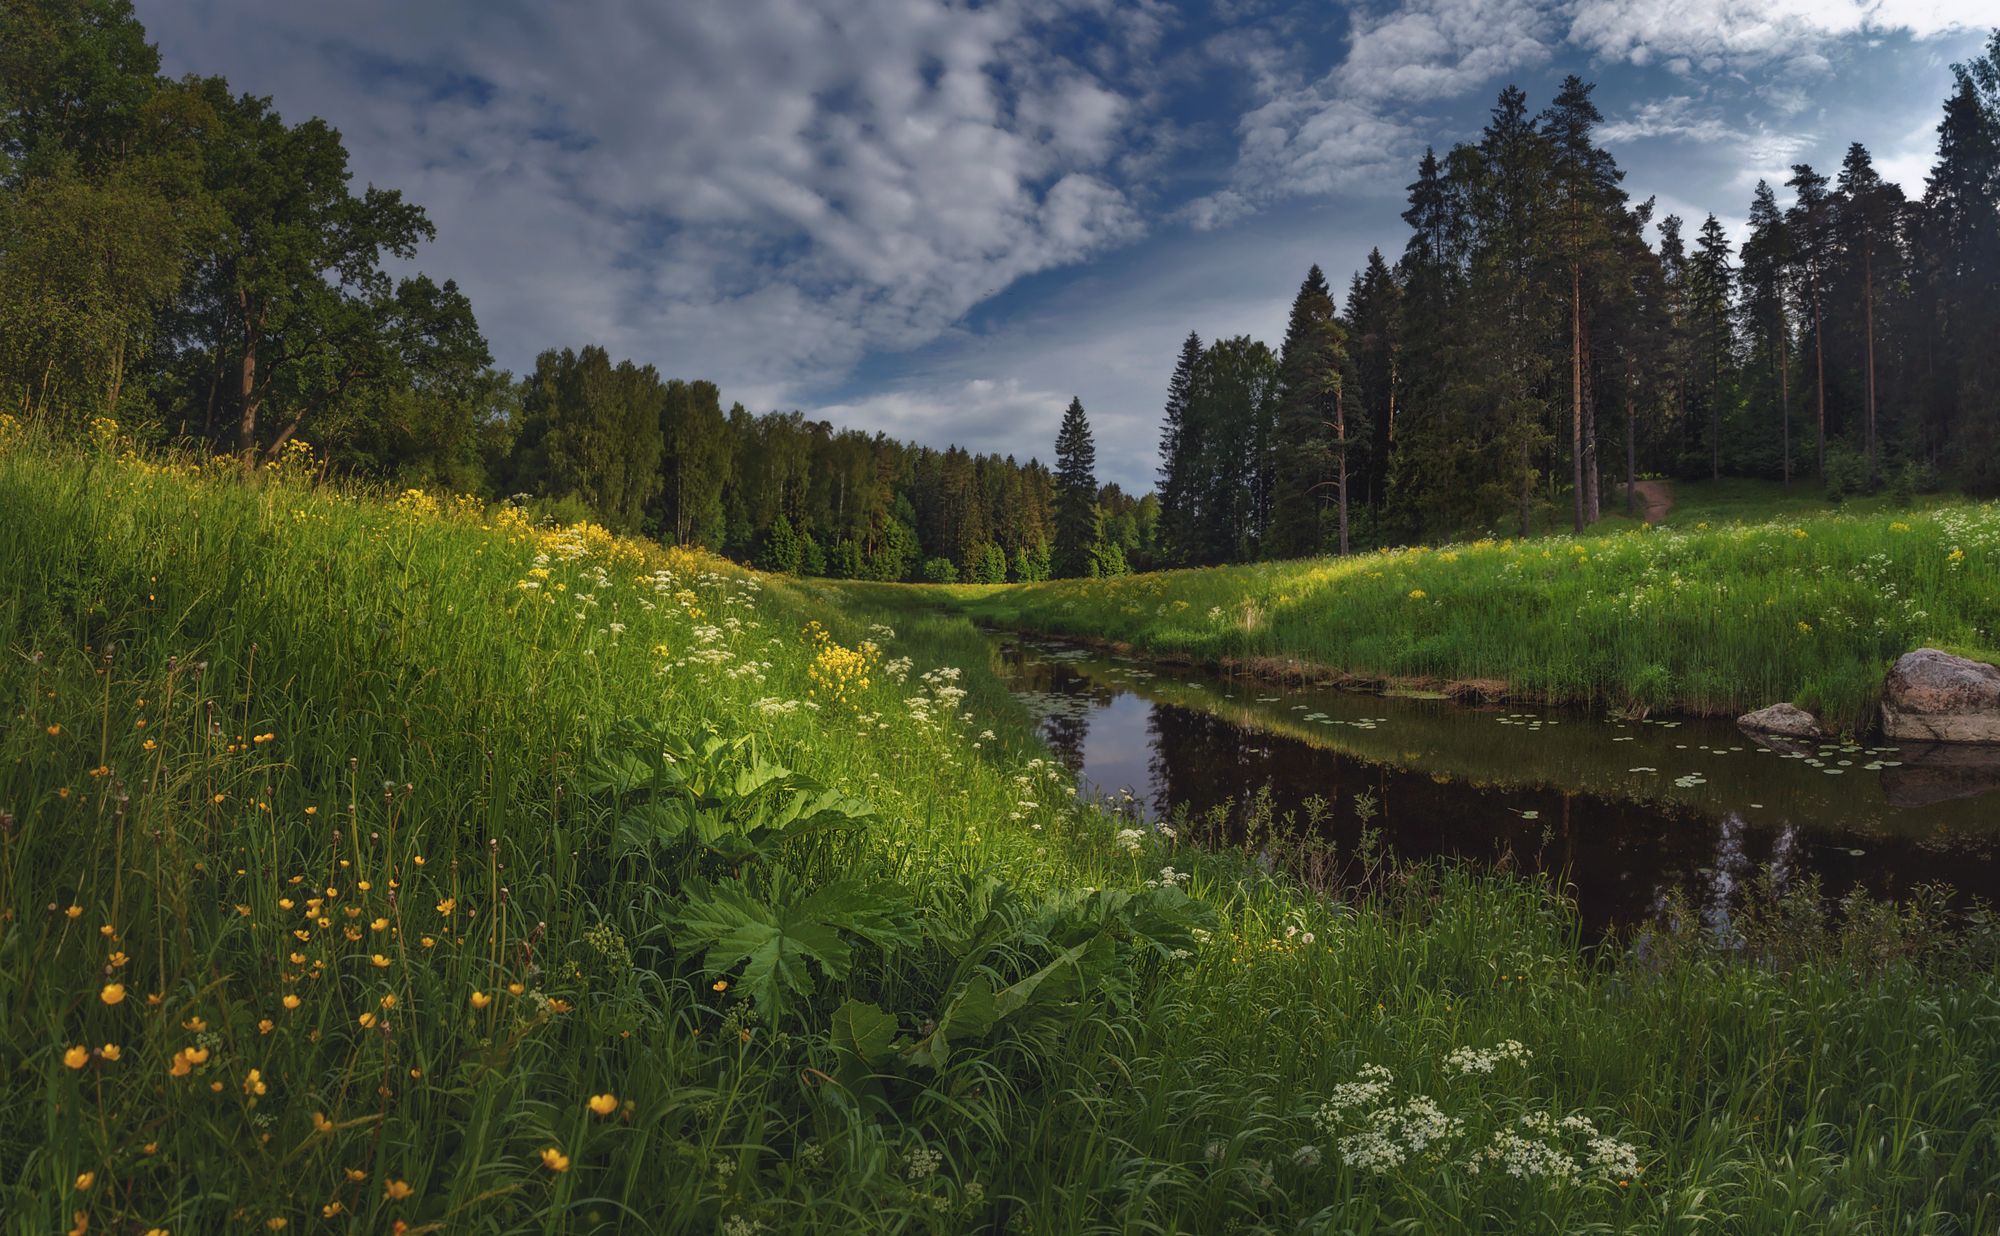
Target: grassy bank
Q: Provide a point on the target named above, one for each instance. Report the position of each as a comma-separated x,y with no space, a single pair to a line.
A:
1707,618
398,866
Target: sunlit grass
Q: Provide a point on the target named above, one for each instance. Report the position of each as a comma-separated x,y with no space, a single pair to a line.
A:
1719,617
312,919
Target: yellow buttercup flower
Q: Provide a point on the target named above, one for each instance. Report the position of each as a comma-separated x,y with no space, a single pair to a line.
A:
397,1190
555,1160
604,1104
480,999
113,993
290,1002
110,1052
76,1057
84,1180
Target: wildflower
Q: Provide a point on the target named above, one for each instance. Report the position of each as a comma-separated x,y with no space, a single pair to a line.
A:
1418,594
380,924
290,1002
84,1180
446,906
321,1124
555,1160
480,999
54,730
266,1025
379,961
277,1223
110,1052
428,941
76,1057
367,1021
515,989
253,1083
720,985
604,1104
73,912
113,993
330,1210
195,1024
356,1175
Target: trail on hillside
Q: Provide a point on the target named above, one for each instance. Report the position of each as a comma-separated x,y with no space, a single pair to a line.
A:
1655,499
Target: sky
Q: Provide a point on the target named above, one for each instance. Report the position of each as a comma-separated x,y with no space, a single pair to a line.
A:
942,220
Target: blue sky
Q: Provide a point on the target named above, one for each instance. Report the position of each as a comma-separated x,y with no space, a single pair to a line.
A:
942,220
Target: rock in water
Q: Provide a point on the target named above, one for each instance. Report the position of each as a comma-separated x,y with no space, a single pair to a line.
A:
1788,720
1933,696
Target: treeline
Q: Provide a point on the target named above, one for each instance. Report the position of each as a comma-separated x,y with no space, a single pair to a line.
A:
618,444
176,257
1543,335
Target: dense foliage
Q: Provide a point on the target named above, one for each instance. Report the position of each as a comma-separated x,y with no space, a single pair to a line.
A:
410,867
1542,332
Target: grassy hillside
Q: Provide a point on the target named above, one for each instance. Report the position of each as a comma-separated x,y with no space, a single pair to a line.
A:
1711,617
398,866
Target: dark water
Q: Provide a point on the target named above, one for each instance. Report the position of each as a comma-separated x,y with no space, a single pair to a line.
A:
1628,810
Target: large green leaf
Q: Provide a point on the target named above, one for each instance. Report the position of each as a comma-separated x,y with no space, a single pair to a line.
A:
775,942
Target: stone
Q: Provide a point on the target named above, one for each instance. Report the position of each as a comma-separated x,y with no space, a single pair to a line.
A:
1933,696
1785,720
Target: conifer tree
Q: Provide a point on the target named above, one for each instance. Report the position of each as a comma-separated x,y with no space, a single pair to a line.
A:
1808,224
1078,525
1307,371
1180,450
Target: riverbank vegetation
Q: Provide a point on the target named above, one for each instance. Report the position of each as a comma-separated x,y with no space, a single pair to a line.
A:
408,865
1706,618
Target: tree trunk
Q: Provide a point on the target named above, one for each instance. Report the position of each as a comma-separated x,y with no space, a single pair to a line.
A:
1785,395
1631,454
1819,380
1340,435
117,380
1593,500
1576,387
246,431
1868,312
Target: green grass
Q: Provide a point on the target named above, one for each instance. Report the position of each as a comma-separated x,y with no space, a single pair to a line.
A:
1707,617
442,732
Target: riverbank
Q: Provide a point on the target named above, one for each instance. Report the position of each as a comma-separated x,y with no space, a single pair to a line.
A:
1709,621
396,862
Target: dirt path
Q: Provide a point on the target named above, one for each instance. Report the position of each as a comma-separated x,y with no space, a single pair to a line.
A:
1655,499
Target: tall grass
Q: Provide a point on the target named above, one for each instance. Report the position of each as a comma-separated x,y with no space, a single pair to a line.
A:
315,916
1708,620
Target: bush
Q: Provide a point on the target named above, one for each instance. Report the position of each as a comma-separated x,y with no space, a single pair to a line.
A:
940,571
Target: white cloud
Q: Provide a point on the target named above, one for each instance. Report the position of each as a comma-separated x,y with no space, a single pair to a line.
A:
1713,35
762,190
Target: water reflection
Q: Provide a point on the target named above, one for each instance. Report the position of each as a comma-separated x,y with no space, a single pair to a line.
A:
1630,812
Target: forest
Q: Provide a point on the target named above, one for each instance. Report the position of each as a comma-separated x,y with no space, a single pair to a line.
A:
182,260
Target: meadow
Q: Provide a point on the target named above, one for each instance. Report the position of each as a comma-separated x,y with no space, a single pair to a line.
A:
396,863
1720,610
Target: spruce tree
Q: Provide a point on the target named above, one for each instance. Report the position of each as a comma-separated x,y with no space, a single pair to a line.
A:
1078,526
1304,410
1766,311
1180,449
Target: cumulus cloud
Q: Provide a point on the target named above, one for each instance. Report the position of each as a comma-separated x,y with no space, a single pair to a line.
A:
762,184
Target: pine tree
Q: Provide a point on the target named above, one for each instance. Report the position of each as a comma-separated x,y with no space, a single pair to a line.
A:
1585,182
1810,242
1867,214
1304,410
1078,524
1766,264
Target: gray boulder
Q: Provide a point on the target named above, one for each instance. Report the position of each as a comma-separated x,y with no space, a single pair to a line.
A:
1785,720
1933,696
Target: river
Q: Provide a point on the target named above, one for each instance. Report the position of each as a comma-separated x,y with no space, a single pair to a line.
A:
1626,810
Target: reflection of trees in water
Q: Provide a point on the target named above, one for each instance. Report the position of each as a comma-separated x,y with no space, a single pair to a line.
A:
1065,730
